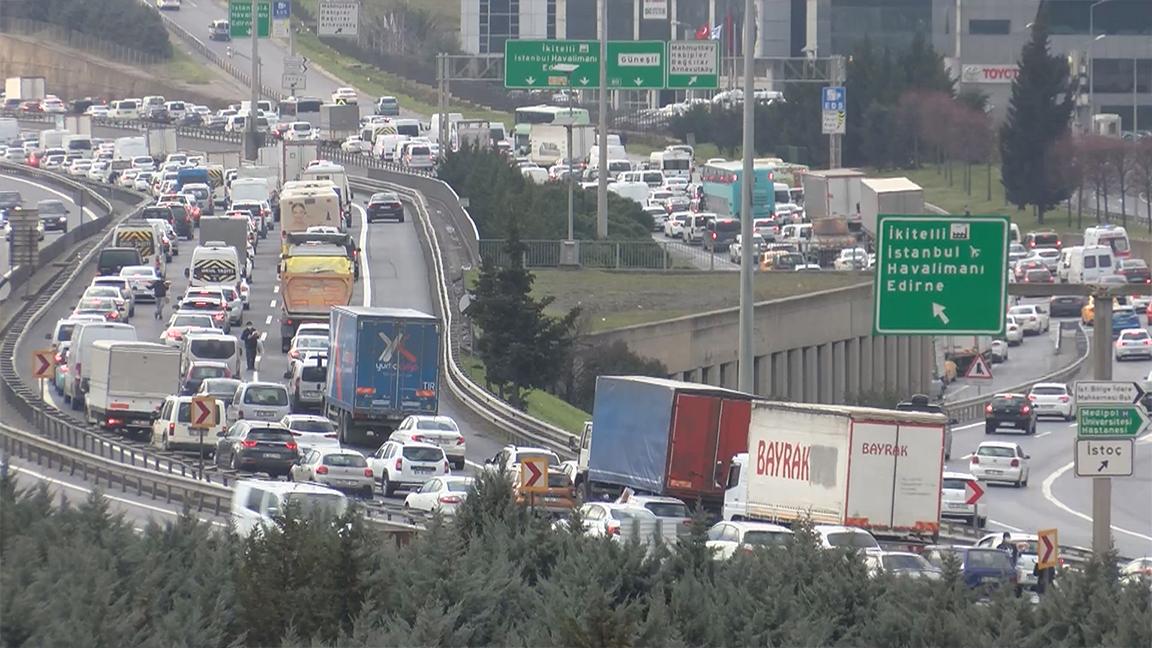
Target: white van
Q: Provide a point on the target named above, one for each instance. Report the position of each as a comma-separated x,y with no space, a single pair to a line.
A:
796,233
217,347
124,109
1065,262
214,265
1114,236
172,427
78,144
1091,264
1014,233
256,503
635,190
653,179
83,337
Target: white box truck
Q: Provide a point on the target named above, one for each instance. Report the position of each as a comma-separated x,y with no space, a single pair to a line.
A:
128,381
888,196
876,469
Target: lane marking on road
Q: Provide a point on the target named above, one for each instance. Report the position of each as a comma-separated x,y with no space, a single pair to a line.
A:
126,502
275,289
365,267
473,464
272,304
66,197
969,426
1006,526
1046,487
1042,435
268,320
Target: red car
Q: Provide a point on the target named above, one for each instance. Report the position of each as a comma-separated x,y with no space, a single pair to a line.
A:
32,106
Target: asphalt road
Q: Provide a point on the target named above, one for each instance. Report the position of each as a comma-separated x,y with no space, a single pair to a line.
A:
32,193
1055,497
393,276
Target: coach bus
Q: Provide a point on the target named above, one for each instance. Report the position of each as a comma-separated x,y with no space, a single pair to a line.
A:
723,183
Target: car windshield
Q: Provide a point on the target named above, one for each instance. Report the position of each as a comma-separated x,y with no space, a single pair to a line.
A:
207,371
313,426
952,483
420,453
1134,335
767,538
433,424
64,332
266,395
275,435
348,460
313,374
630,514
138,272
311,342
850,539
995,451
668,509
987,558
221,388
460,486
1049,391
191,320
119,257
219,349
902,562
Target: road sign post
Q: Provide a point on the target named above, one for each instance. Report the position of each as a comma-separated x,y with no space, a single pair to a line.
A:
533,474
1048,546
240,18
201,418
940,275
1104,457
693,65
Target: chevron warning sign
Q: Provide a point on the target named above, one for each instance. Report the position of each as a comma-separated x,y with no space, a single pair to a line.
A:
43,365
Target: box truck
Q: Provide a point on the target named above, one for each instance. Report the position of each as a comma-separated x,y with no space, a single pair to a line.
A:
160,142
876,469
835,193
128,381
384,364
888,196
663,437
25,88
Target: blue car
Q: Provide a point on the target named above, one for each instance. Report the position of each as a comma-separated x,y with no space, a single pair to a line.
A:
980,567
1124,317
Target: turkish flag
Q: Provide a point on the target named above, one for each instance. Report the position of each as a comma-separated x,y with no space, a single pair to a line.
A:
703,32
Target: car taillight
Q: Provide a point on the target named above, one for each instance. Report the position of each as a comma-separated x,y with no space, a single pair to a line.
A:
368,473
713,236
1025,409
248,444
988,408
975,459
113,315
291,445
59,358
459,440
294,354
171,429
321,470
418,438
399,464
450,499
1064,399
1015,463
613,529
447,467
1032,397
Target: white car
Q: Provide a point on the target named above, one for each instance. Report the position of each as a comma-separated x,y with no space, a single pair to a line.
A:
510,457
305,347
1002,461
79,167
123,306
954,497
407,466
345,95
1031,317
1052,399
311,431
181,324
1050,257
437,430
313,328
674,225
1013,332
226,293
725,538
143,180
833,536
998,351
607,519
344,470
99,171
1133,343
127,178
301,131
851,259
353,144
443,494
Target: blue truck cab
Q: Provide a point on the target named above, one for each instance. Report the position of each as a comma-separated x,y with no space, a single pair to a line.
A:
192,175
384,364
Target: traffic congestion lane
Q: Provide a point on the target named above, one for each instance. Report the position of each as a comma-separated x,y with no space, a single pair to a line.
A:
32,193
110,133
1055,497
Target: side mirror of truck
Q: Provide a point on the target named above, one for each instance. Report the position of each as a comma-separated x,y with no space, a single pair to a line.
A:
287,374
952,421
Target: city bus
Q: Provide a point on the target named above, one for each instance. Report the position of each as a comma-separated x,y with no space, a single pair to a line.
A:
528,116
305,109
723,184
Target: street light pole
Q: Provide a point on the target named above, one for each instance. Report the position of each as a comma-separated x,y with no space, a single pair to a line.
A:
1092,60
745,362
602,134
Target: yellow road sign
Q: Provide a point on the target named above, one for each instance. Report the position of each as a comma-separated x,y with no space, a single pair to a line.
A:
534,474
1047,549
203,412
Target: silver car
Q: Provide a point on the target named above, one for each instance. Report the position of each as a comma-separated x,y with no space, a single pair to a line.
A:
340,469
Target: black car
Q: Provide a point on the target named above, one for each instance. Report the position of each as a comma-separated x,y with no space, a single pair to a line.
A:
1066,305
1010,410
113,259
53,214
385,204
257,446
9,200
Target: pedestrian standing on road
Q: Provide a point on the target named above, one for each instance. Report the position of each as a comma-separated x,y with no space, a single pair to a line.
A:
251,339
160,295
1006,544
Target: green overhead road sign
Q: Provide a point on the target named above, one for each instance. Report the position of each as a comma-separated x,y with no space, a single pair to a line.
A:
1110,421
693,64
940,275
636,65
530,63
240,19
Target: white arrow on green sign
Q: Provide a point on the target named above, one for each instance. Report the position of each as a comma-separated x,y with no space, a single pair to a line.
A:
635,65
240,19
693,64
1110,421
532,63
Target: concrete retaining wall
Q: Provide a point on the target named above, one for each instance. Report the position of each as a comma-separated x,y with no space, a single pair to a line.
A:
813,348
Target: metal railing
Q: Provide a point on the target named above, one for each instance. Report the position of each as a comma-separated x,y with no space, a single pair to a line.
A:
70,38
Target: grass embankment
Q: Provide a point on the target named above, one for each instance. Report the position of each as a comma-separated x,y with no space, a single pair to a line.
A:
610,300
541,405
184,68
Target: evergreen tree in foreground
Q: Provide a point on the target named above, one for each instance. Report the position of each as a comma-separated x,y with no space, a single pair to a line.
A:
1038,120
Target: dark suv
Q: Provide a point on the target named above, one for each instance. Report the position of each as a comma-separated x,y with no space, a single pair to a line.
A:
1010,410
385,204
1066,305
259,446
979,567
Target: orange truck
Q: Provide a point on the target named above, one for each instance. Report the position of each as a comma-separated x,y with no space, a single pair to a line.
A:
313,278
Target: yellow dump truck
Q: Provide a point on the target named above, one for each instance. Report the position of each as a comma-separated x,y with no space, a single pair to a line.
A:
313,278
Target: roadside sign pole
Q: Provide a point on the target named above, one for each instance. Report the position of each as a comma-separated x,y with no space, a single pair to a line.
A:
1102,370
602,131
745,364
252,146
